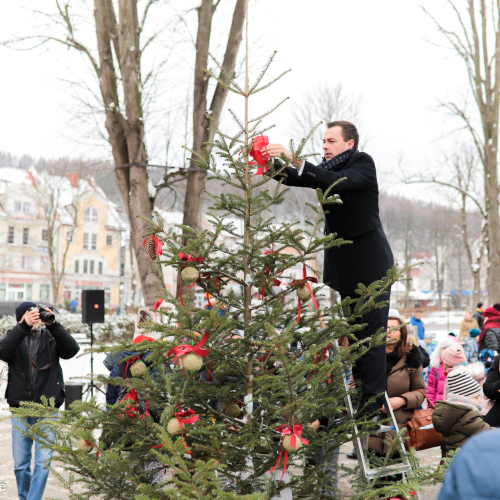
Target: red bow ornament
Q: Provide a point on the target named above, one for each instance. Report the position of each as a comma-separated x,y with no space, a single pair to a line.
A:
190,273
194,361
176,425
154,246
289,443
208,277
305,293
260,142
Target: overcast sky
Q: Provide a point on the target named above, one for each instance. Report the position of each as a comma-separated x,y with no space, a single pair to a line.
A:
380,50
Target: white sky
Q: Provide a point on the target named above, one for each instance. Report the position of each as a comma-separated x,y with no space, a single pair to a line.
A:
379,49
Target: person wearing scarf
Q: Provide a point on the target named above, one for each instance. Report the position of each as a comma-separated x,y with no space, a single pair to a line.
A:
490,335
368,255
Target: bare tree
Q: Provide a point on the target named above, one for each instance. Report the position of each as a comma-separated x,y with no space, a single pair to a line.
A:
459,176
193,200
477,42
324,103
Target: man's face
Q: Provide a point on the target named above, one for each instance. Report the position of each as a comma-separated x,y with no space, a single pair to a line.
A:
418,315
468,316
334,143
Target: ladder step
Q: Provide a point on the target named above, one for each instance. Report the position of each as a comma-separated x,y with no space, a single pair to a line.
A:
389,470
382,429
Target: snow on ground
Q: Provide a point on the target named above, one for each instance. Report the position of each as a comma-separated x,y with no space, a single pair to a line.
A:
440,323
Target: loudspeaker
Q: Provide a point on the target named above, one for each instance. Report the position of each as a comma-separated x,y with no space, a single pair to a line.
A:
93,306
73,393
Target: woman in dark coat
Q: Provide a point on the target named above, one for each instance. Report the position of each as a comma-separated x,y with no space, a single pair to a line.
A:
491,389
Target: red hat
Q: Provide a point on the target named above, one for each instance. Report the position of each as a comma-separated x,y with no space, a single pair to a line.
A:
453,356
142,338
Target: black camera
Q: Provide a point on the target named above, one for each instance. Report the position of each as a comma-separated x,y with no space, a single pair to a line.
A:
48,317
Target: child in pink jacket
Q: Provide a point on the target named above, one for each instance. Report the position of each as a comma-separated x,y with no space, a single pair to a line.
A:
437,376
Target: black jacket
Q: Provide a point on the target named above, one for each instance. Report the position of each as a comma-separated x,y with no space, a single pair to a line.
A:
478,316
357,219
56,343
491,340
491,387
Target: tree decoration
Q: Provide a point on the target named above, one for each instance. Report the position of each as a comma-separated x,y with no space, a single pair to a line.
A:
154,246
185,349
304,290
260,142
232,410
292,441
138,368
176,425
189,273
85,445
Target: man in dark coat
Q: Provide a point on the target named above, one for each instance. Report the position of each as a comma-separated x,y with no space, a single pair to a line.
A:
32,354
369,256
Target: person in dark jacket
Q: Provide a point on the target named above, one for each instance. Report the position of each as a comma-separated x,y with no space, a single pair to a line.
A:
369,256
32,353
490,335
491,389
473,474
478,315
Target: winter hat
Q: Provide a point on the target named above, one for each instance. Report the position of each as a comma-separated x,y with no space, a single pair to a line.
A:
462,384
442,344
394,313
453,356
22,308
142,338
143,315
474,332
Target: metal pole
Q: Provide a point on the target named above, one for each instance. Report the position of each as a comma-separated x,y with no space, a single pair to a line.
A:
91,361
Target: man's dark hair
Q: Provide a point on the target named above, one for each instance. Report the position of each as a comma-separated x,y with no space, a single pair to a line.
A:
349,131
479,305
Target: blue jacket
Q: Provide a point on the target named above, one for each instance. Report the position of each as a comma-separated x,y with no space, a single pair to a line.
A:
420,325
473,474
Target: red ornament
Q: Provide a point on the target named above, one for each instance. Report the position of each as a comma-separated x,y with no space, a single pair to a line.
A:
182,350
260,142
295,432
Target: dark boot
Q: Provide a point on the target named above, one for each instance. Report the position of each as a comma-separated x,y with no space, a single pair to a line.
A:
353,455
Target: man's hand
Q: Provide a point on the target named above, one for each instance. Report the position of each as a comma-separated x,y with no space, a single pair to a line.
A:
52,312
32,317
315,425
277,150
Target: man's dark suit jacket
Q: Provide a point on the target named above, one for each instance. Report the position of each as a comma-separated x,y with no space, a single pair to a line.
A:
357,219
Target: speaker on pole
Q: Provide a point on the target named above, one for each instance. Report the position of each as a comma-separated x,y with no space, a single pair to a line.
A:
93,306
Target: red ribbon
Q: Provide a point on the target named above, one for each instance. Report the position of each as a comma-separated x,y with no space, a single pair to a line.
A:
208,276
260,142
189,258
158,244
296,432
303,282
324,356
274,282
186,417
182,350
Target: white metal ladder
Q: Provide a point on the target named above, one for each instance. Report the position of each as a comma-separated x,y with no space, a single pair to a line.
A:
361,444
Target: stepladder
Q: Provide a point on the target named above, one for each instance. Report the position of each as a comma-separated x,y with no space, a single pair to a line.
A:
369,472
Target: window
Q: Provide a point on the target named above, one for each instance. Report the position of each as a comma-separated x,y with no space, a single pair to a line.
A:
26,235
18,207
77,266
29,292
107,295
26,207
94,242
91,266
69,235
45,235
44,292
100,267
10,237
109,240
26,262
85,241
85,267
2,291
91,215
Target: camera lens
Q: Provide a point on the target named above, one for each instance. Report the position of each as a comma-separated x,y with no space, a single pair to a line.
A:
47,316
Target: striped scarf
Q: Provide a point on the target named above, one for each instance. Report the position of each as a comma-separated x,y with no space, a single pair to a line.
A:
337,160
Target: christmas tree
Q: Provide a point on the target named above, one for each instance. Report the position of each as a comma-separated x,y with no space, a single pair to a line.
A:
223,402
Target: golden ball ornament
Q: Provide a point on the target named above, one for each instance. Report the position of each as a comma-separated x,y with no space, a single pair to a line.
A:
190,274
85,445
303,293
138,368
287,443
174,427
232,410
192,362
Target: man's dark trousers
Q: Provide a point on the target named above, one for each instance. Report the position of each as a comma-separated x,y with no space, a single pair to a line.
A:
371,367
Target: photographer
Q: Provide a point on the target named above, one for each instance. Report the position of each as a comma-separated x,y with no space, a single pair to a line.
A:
32,353
368,257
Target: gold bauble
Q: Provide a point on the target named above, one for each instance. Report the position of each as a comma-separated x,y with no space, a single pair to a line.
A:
232,410
138,368
174,427
192,362
190,274
303,293
84,446
287,443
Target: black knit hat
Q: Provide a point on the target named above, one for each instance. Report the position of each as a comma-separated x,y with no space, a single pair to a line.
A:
22,308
